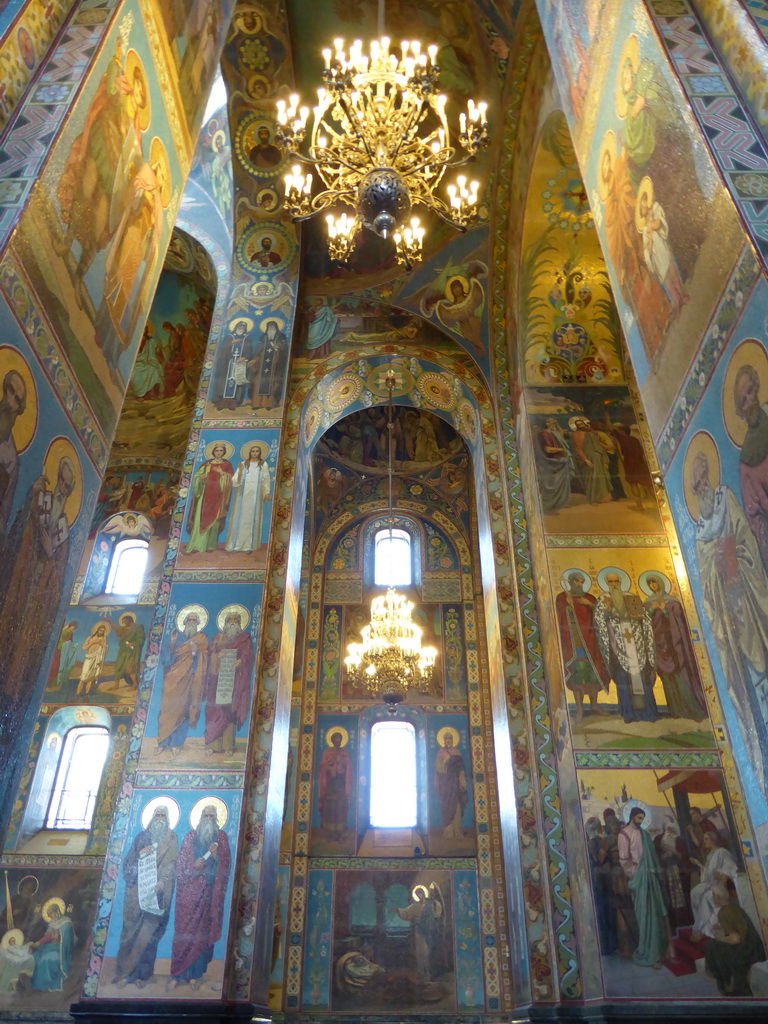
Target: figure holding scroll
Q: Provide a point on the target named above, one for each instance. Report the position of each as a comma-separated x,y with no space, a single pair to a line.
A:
228,683
149,871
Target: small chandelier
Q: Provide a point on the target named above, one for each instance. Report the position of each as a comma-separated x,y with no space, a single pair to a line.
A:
390,658
380,143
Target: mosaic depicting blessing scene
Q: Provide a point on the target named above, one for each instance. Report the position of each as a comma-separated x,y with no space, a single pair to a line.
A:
627,653
669,883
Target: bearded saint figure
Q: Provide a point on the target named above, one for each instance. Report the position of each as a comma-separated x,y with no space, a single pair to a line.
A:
146,913
227,685
202,872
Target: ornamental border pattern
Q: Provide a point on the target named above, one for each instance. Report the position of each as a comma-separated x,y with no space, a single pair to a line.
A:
741,284
738,149
521,586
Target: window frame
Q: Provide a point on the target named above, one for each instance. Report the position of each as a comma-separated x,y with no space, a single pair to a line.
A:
53,821
384,535
124,545
380,729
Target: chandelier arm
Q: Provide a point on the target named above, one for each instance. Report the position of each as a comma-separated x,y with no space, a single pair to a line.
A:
409,127
354,122
449,220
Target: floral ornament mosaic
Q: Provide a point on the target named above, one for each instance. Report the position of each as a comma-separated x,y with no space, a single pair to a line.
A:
565,200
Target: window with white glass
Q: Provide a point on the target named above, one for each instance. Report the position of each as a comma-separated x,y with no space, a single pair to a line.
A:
127,568
78,777
392,558
393,775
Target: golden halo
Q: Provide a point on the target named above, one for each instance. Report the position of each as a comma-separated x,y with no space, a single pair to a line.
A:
419,888
272,319
34,879
62,448
232,609
565,580
631,53
241,320
26,424
158,155
258,24
608,145
161,801
267,199
185,611
701,443
445,731
14,933
261,445
54,901
449,282
229,449
748,353
623,575
132,65
645,188
219,138
222,811
339,729
644,577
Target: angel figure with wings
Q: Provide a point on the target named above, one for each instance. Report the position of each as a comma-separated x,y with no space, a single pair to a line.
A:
457,299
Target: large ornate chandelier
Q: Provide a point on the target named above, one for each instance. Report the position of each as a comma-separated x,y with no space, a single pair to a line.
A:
380,143
390,659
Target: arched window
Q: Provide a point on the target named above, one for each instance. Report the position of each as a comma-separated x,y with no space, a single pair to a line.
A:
392,558
78,777
393,775
127,567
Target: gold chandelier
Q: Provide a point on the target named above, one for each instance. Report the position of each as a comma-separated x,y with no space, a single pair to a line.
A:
380,143
390,658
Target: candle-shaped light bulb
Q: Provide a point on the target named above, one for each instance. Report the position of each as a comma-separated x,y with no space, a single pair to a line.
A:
304,114
327,56
462,180
404,48
416,47
385,44
308,184
463,122
432,51
482,107
293,99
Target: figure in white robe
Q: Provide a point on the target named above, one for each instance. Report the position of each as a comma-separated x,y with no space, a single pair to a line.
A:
250,489
719,866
